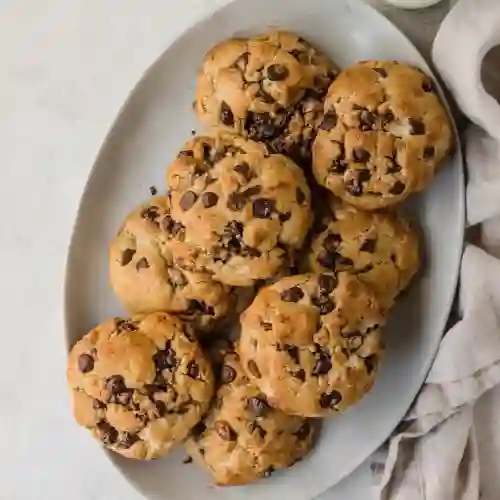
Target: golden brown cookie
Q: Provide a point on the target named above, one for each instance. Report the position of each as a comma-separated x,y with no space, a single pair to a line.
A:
383,136
242,438
244,212
380,248
269,88
144,276
139,384
312,342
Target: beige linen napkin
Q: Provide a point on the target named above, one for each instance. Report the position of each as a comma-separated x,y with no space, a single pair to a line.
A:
448,446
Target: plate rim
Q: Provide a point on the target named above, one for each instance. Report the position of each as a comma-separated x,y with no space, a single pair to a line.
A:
109,134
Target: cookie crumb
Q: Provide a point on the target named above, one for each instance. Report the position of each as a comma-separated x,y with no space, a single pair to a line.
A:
193,131
187,460
153,190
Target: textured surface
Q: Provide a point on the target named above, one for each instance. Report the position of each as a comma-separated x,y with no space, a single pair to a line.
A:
312,343
139,385
54,54
383,136
244,211
380,248
269,88
243,439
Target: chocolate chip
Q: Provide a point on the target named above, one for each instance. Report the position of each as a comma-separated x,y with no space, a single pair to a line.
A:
328,260
324,304
371,363
329,120
264,96
360,155
116,384
85,363
242,61
228,374
332,242
128,439
364,175
428,85
327,283
253,369
344,261
263,208
293,294
417,126
285,216
367,119
161,408
323,364
192,370
387,118
198,430
277,72
268,472
150,213
165,359
301,56
381,71
354,188
142,264
301,197
98,405
397,188
368,245
209,199
293,352
186,153
153,190
245,171
252,191
127,256
187,460
329,400
123,397
224,430
260,126
393,167
300,374
258,405
226,115
188,199
303,432
107,432
429,152
236,202
354,340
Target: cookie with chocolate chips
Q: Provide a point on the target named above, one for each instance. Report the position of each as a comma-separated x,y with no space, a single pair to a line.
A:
312,343
269,88
244,211
380,248
242,438
144,276
139,385
385,134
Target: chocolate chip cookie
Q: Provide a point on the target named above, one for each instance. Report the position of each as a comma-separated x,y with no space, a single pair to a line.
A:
312,343
383,136
242,438
244,212
144,276
380,248
269,88
140,384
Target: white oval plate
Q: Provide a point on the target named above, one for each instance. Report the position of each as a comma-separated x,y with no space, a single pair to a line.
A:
153,124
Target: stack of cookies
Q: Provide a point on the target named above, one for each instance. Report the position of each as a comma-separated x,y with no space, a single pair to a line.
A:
238,238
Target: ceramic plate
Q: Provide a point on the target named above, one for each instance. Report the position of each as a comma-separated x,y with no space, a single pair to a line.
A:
149,131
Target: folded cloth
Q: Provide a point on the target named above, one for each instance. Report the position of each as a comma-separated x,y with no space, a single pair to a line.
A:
448,445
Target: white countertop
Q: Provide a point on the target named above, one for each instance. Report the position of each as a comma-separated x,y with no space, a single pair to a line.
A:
66,68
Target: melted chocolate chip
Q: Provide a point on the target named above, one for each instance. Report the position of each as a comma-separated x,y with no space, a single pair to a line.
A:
332,242
228,374
277,72
188,199
127,256
186,153
192,370
165,359
329,400
209,199
354,188
397,188
328,260
429,152
293,294
324,304
392,166
381,71
198,430
323,364
329,120
367,119
252,191
428,85
236,202
285,216
303,432
224,430
300,374
142,263
327,283
258,405
263,208
417,127
107,432
116,384
98,405
293,352
267,327
364,175
161,408
301,197
226,114
253,369
360,155
245,171
368,245
128,439
371,363
85,363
